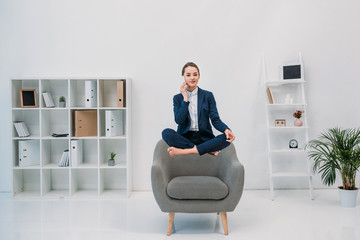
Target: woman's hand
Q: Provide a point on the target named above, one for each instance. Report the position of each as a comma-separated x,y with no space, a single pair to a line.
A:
183,91
229,135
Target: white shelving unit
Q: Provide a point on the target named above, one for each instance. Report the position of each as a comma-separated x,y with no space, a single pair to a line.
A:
285,162
92,178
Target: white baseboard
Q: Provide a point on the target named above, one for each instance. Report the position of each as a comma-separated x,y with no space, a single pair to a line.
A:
5,194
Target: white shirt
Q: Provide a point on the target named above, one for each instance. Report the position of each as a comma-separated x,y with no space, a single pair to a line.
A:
193,99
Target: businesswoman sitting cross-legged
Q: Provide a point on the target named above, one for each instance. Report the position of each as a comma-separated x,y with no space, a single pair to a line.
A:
193,108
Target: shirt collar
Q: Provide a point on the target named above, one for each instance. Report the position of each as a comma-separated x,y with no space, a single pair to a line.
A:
193,93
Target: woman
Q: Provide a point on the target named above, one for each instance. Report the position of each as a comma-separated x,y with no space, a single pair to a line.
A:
193,108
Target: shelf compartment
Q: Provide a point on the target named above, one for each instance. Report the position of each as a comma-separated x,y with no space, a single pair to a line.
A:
54,121
92,122
280,92
56,88
35,152
77,93
287,115
84,182
26,182
108,92
290,150
52,151
90,154
117,146
55,182
289,163
17,85
284,105
31,119
119,117
289,128
281,139
113,182
283,82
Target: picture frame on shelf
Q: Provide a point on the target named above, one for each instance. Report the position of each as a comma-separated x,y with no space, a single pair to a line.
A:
280,123
28,98
292,71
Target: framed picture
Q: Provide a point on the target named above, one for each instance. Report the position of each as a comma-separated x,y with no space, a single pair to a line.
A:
292,71
28,98
280,123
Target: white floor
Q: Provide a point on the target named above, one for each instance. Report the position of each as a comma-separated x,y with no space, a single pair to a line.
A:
291,216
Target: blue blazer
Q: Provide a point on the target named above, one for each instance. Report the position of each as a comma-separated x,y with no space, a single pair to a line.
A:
206,111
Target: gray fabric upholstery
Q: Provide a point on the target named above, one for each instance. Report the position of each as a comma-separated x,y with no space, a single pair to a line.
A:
197,187
225,166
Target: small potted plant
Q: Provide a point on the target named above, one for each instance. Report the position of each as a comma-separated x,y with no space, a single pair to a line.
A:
298,114
62,102
111,161
338,150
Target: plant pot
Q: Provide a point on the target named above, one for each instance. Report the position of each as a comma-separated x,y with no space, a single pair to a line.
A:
111,162
348,198
298,122
62,104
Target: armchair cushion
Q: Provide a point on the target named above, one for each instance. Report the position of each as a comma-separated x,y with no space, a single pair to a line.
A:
197,187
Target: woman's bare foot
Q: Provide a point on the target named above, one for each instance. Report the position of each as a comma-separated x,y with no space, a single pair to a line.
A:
173,151
214,153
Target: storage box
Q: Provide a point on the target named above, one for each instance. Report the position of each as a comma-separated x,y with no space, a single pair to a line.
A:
85,123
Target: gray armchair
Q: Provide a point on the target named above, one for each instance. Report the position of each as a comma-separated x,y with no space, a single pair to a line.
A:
197,184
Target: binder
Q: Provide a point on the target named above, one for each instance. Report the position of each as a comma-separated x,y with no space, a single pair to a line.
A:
114,123
29,153
90,93
121,93
76,152
85,123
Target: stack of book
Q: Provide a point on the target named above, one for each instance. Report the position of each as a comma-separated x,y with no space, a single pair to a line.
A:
64,161
21,129
49,103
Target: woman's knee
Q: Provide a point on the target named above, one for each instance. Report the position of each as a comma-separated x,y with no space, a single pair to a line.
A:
166,132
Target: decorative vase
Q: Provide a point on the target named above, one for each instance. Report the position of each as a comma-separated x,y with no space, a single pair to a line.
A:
111,162
348,198
62,104
298,122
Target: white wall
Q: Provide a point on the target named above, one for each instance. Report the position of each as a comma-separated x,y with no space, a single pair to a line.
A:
150,41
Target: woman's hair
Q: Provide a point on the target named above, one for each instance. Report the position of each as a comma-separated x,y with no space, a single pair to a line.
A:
189,64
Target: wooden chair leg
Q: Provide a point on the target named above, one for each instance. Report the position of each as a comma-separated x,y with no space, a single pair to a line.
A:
224,222
170,223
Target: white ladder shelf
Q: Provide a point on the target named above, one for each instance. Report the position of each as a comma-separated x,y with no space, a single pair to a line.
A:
278,137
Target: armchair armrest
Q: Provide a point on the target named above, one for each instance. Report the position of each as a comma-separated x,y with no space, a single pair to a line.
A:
232,173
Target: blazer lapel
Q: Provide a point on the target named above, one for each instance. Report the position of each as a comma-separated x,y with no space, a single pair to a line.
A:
200,101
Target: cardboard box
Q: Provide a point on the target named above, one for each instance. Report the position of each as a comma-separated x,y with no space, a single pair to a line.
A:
85,123
121,96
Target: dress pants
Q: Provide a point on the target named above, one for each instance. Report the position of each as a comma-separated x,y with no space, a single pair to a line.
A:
192,138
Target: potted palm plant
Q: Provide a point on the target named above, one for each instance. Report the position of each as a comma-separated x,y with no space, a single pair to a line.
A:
338,150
